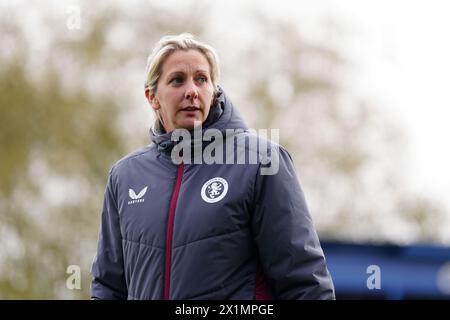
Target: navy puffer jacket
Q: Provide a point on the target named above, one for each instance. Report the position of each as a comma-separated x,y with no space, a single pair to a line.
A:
207,231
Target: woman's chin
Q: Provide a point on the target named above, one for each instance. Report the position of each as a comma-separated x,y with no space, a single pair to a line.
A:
190,124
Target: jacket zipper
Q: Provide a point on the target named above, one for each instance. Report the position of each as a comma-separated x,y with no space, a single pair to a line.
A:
172,208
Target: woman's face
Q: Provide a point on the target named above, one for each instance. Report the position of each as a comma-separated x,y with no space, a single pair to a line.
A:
184,91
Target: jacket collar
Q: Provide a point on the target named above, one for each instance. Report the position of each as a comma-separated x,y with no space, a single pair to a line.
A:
222,115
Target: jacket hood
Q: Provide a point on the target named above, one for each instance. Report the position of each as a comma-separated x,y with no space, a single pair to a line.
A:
223,115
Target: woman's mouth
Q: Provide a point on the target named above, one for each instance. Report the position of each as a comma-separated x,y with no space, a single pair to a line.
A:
190,109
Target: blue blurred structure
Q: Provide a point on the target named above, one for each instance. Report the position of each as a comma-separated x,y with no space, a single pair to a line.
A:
406,272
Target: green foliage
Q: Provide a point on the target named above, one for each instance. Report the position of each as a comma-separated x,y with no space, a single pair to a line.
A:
58,139
62,115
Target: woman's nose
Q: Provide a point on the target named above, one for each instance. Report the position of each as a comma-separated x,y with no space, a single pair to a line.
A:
191,93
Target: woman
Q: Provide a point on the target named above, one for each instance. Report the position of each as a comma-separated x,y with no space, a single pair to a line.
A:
196,230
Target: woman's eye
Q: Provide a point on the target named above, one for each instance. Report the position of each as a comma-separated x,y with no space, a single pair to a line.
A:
177,80
202,79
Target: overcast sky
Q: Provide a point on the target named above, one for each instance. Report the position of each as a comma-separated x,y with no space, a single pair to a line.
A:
404,58
402,54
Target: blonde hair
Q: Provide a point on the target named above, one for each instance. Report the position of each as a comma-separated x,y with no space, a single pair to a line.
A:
169,44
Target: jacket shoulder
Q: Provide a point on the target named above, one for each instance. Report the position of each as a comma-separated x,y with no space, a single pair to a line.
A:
263,146
139,154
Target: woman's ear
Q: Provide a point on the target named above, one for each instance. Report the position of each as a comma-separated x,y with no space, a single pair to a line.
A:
151,97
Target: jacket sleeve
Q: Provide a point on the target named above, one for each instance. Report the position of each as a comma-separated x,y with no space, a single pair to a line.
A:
289,248
108,278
